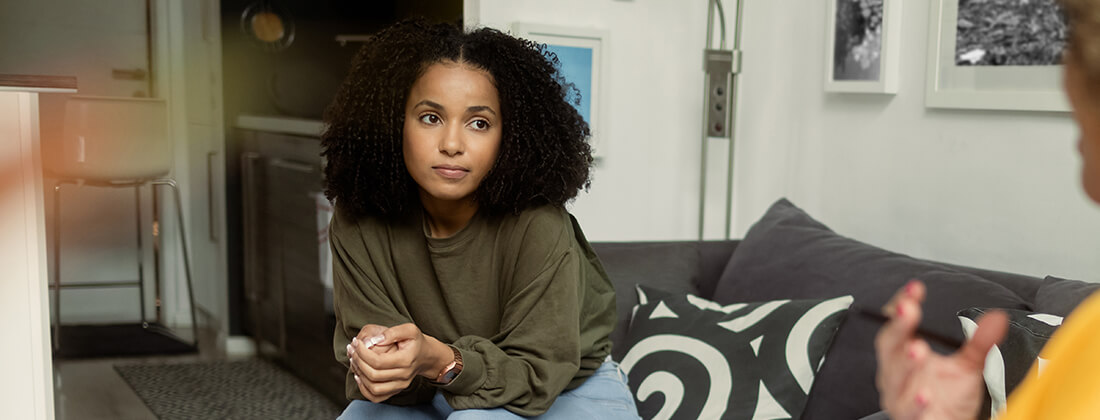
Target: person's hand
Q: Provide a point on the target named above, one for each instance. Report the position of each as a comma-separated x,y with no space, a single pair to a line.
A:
385,362
366,341
916,383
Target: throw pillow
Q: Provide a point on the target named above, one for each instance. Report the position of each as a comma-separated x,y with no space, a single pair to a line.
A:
1010,361
691,358
789,255
1060,296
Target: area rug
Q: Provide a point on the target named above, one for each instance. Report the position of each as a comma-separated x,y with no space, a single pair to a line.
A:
118,340
250,389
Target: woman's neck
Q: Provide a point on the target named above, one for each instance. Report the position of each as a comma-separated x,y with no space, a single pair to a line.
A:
447,218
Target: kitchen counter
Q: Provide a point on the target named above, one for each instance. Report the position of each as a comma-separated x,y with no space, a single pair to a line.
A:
276,124
26,392
37,84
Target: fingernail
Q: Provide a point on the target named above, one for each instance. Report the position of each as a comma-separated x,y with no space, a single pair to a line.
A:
911,288
375,340
912,353
922,400
899,309
357,378
349,348
354,341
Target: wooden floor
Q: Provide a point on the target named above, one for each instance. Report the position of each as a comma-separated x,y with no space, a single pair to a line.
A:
91,389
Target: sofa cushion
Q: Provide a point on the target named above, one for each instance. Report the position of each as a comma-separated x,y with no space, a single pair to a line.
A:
880,415
1023,285
1009,362
789,255
688,357
1060,296
672,266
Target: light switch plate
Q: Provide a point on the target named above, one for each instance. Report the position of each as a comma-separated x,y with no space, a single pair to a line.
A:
718,65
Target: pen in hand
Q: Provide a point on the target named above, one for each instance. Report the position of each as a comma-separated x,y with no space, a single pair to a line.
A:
931,336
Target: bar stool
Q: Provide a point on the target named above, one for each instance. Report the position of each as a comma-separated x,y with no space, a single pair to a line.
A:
117,142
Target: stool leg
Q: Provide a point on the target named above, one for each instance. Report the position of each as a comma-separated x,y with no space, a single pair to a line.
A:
159,319
186,258
140,255
57,266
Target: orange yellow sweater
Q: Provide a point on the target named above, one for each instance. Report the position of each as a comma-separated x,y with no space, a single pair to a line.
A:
1068,387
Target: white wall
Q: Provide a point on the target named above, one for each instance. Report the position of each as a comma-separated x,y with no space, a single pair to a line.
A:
992,189
190,63
647,184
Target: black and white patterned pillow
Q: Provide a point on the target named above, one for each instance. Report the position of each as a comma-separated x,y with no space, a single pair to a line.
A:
1010,361
692,358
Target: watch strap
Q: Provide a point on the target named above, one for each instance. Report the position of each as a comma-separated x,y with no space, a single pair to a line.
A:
452,369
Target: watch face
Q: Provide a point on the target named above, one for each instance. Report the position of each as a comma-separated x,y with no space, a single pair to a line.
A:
450,376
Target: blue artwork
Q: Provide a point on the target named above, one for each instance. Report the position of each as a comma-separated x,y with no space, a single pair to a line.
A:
576,67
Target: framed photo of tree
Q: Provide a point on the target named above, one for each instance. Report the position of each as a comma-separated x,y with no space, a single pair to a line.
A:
862,46
996,54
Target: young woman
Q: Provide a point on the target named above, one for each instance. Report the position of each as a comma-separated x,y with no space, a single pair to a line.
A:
462,285
916,383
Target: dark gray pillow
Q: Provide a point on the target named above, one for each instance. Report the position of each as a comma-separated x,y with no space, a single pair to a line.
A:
1060,296
671,266
789,255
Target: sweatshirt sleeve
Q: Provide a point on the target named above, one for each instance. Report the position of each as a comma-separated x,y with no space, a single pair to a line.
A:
359,298
537,351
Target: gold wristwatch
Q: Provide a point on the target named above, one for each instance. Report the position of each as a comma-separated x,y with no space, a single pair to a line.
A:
452,370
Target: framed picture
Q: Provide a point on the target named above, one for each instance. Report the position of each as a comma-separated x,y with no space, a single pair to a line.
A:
862,46
582,54
995,55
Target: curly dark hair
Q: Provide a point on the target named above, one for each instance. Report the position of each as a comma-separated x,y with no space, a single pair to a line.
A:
544,155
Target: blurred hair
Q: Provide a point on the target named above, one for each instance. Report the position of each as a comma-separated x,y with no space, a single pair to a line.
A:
1083,19
544,155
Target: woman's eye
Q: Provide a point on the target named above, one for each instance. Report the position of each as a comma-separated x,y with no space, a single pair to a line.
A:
480,124
429,119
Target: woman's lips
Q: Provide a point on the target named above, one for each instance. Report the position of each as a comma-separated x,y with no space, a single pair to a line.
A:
451,172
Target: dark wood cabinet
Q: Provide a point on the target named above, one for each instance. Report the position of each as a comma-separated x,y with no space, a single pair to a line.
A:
286,310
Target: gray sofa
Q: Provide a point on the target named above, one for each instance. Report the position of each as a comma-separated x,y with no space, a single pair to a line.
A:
789,255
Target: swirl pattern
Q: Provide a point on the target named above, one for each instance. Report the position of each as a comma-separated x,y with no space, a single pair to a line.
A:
692,358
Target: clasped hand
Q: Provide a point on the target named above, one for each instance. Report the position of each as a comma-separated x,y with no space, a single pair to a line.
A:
386,360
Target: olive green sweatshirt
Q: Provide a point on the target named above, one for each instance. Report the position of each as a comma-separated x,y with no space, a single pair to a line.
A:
522,297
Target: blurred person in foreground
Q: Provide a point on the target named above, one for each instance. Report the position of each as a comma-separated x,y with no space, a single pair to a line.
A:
916,383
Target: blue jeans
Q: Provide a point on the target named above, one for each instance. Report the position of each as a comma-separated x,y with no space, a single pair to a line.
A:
604,395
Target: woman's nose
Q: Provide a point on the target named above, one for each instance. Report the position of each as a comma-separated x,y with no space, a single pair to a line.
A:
452,143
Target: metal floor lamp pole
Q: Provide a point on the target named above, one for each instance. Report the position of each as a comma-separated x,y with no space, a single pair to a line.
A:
721,67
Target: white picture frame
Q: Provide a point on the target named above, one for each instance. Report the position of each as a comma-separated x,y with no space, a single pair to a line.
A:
583,56
869,74
1018,88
